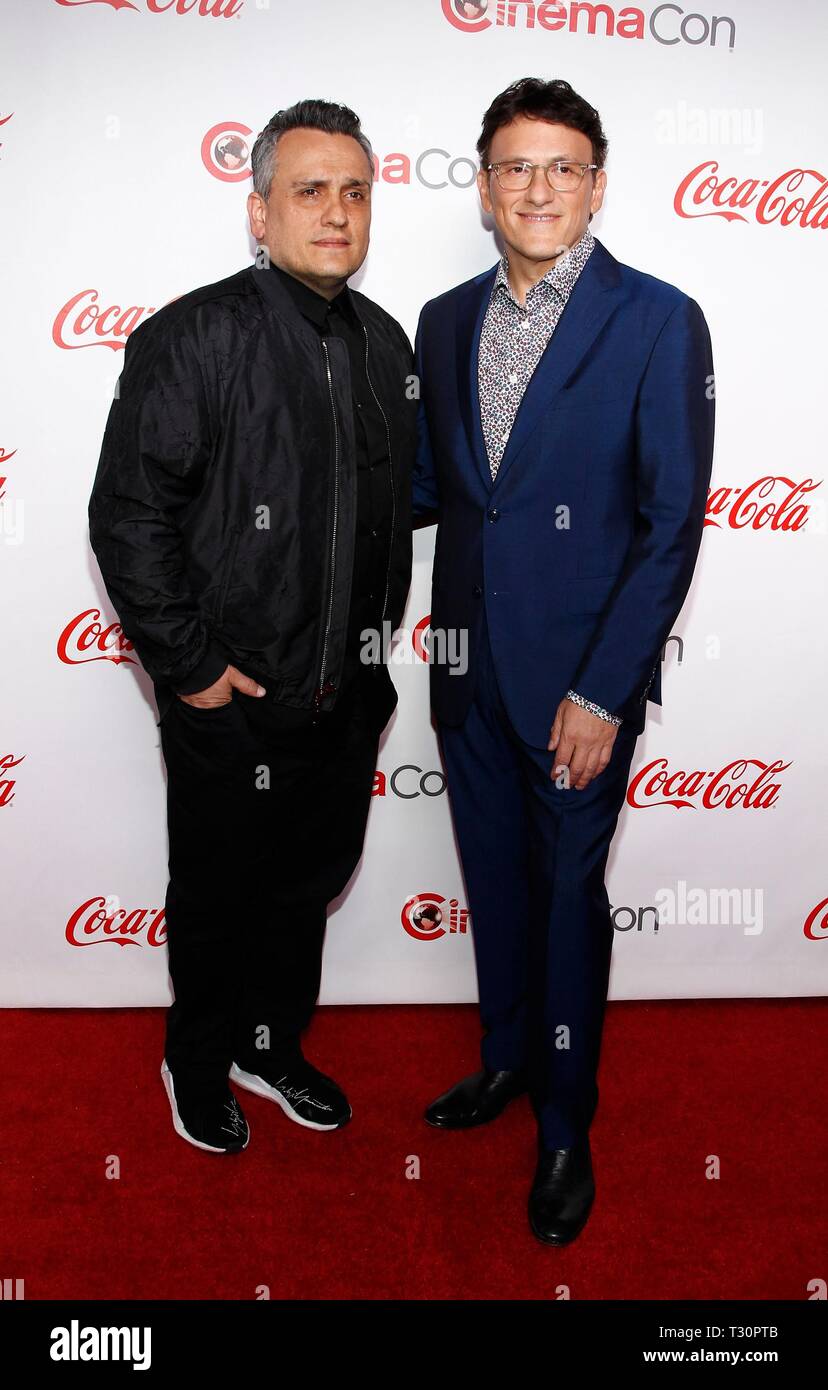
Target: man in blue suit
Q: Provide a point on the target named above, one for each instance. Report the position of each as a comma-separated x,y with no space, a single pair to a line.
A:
566,440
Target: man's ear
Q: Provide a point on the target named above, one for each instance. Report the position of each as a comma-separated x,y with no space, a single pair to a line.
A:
598,191
483,190
256,215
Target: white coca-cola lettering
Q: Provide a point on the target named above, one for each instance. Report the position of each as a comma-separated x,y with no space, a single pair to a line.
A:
731,786
85,638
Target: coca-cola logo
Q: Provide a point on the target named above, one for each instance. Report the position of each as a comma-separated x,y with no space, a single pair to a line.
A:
427,916
3,120
88,638
4,458
744,782
816,923
83,322
7,784
704,193
225,152
102,920
745,507
207,9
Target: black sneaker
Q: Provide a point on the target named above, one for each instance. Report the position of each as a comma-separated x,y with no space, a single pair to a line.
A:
305,1094
210,1118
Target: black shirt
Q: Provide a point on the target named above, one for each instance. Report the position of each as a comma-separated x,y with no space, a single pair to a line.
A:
337,317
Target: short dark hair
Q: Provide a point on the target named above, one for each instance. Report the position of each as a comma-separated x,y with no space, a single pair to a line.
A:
554,101
329,116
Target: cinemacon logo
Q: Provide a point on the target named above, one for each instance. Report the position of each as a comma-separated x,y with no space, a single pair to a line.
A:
667,24
427,917
225,153
409,781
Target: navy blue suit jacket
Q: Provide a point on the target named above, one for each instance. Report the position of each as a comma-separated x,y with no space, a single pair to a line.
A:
583,549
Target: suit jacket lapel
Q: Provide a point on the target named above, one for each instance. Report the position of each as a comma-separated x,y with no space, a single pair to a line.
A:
470,315
592,300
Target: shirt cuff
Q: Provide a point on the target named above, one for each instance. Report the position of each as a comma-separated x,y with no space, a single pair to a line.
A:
593,708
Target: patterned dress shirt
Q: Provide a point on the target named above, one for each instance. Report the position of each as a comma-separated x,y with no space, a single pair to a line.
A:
513,340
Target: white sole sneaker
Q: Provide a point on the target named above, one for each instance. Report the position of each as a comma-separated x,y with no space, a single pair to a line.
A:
178,1123
257,1084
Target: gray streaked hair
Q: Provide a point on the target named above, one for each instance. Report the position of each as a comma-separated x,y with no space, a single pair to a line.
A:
329,116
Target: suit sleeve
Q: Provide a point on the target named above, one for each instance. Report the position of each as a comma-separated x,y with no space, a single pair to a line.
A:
156,448
674,445
426,498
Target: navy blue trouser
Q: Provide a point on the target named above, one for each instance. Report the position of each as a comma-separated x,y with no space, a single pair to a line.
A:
534,856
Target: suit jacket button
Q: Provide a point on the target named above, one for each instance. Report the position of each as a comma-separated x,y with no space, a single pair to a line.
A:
494,514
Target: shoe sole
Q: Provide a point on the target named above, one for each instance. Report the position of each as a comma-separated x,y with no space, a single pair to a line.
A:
257,1084
462,1124
178,1123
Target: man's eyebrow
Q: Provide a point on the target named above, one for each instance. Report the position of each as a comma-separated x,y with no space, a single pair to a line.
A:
323,183
524,159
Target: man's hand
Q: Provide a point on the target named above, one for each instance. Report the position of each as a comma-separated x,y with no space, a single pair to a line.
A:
584,743
221,692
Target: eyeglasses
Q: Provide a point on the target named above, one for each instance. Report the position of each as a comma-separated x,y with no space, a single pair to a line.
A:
516,174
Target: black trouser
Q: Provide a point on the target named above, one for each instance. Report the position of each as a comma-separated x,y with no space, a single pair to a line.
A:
266,826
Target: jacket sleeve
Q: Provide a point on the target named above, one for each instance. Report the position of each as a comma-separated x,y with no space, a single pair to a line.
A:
156,447
426,498
674,445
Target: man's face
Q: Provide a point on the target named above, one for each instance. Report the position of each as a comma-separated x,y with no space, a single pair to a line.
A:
317,218
538,223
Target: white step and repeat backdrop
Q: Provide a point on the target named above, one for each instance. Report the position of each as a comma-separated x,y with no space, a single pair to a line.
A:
125,133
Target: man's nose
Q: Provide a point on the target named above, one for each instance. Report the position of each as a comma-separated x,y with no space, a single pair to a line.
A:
335,213
539,190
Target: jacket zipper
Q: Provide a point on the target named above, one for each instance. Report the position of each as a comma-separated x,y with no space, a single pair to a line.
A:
325,687
391,477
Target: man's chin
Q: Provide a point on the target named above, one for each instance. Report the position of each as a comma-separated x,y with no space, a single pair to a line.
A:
333,269
541,249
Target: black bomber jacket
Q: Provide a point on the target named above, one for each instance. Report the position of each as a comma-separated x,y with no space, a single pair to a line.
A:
223,510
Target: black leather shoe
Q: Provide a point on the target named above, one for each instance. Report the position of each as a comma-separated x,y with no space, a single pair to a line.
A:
476,1099
562,1194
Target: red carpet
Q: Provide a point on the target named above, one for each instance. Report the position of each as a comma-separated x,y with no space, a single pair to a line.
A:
333,1215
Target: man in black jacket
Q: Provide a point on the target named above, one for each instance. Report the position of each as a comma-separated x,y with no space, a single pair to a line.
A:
251,517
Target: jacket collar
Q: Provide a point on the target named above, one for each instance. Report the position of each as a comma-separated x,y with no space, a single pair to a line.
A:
281,300
315,306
